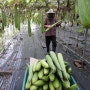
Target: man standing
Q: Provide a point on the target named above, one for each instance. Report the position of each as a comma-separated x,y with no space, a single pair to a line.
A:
50,35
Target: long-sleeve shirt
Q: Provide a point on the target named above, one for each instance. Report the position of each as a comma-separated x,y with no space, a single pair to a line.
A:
52,31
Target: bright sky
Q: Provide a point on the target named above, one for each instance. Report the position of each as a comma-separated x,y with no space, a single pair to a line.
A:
27,1
8,0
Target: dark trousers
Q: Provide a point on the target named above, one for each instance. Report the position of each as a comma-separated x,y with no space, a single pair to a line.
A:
50,39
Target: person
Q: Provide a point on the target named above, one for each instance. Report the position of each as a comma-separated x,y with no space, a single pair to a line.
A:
50,35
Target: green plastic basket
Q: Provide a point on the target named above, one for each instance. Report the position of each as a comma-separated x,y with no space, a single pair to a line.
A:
25,78
26,75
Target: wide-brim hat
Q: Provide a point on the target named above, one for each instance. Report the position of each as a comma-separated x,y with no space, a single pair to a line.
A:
50,11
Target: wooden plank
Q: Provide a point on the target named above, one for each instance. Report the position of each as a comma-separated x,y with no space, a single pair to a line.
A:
5,73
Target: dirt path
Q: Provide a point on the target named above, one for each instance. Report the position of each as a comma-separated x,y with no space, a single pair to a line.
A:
27,47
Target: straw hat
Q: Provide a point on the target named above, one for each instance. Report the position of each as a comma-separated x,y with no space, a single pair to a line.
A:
50,11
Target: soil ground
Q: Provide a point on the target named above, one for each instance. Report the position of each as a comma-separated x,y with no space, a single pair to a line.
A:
22,47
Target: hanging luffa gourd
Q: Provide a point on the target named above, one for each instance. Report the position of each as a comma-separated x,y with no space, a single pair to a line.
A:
3,20
42,23
29,27
17,18
84,12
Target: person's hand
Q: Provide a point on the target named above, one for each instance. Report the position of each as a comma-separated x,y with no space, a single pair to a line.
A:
60,22
48,26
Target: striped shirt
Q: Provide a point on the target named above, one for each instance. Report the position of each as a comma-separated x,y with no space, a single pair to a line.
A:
52,31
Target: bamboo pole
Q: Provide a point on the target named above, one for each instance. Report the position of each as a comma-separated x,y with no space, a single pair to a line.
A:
52,25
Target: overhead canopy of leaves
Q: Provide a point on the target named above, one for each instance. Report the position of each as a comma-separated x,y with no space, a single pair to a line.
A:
28,6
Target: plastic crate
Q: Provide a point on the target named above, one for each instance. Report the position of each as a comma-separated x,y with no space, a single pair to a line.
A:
72,81
25,78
